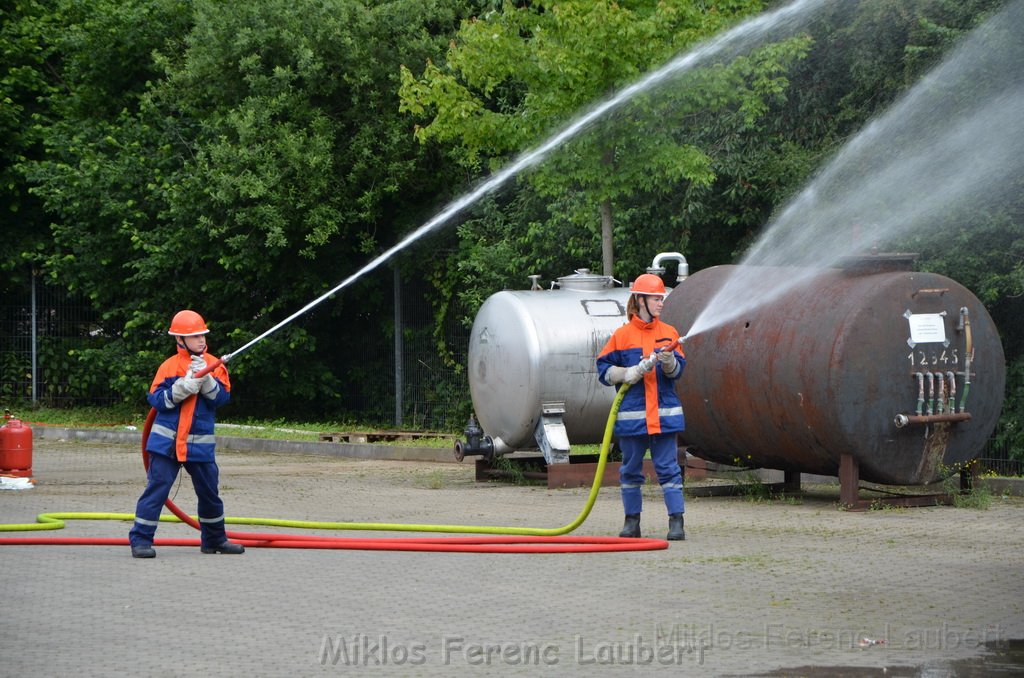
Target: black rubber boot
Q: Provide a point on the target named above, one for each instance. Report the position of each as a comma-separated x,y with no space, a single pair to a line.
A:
143,552
225,547
632,526
675,527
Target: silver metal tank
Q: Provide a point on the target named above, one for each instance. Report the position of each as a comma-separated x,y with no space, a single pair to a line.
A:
532,374
900,370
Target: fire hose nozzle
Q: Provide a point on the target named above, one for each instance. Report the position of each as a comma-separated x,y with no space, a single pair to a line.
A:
212,366
670,347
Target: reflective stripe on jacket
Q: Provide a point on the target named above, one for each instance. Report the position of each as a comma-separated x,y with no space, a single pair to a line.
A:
650,406
184,430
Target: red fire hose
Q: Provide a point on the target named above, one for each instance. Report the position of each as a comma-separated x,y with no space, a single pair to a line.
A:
516,543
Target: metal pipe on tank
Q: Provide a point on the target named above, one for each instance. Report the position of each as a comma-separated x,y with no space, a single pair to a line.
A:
921,392
952,391
965,325
657,266
931,393
901,420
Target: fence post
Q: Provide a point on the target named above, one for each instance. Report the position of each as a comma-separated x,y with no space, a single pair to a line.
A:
33,335
399,358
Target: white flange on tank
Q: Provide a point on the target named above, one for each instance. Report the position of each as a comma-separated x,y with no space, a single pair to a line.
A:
532,372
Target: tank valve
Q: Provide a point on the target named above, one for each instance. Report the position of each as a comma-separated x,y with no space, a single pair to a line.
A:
477,444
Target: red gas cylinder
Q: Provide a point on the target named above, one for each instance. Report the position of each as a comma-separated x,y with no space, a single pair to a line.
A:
15,448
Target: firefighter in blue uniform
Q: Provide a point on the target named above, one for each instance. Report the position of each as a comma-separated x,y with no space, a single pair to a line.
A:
650,414
182,436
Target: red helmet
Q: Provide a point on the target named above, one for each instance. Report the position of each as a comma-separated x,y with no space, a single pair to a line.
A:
187,324
648,283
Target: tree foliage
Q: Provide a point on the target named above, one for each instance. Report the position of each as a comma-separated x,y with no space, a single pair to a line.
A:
25,86
234,159
513,77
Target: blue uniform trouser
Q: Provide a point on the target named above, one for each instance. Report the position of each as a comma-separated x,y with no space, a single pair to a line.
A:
163,471
664,454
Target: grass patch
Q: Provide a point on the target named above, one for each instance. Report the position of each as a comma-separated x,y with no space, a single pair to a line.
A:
752,488
431,481
510,471
82,417
979,497
756,560
121,416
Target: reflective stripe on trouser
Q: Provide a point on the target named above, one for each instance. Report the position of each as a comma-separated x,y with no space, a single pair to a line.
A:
163,471
664,454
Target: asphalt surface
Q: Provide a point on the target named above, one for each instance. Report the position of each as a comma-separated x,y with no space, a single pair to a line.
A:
778,587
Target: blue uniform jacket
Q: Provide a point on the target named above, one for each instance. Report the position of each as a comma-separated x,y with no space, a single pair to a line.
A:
185,430
650,406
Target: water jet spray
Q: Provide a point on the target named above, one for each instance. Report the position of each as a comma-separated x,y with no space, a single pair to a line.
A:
728,44
952,145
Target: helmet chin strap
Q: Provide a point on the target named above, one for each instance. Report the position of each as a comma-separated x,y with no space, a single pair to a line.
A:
182,344
646,309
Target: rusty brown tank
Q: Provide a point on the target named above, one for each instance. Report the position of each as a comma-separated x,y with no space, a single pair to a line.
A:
849,363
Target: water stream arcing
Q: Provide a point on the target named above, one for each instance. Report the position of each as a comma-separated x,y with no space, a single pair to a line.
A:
952,146
729,44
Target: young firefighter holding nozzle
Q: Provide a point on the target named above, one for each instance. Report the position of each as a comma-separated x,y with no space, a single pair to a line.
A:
650,415
182,435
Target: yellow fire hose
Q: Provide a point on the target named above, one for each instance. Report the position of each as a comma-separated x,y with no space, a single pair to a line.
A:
532,539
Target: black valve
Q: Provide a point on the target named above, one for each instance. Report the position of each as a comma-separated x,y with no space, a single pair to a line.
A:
477,444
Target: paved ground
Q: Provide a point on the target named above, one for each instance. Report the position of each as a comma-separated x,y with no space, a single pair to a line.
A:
779,587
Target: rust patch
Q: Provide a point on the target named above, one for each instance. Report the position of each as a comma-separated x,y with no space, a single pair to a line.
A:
934,452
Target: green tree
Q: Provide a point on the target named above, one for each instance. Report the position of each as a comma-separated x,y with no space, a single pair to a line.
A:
238,159
513,76
25,31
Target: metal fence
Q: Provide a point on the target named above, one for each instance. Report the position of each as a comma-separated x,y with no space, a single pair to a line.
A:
425,390
997,458
42,327
40,331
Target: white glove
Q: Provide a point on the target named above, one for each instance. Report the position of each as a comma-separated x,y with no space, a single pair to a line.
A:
615,374
637,372
184,387
208,386
667,359
618,375
633,374
629,375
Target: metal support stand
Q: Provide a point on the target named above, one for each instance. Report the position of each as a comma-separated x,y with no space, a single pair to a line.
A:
970,473
577,472
550,434
849,491
790,485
